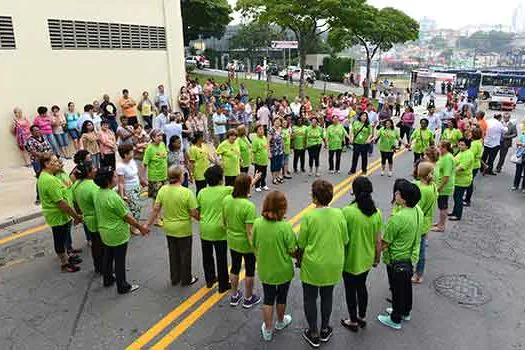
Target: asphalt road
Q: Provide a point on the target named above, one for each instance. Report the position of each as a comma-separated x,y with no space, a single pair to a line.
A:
472,297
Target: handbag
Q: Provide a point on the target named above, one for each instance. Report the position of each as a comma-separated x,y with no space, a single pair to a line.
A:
517,158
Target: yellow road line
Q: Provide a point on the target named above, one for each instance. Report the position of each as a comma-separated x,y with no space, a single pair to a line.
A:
21,234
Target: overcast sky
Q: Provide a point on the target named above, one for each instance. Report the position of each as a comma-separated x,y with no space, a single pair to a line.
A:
452,13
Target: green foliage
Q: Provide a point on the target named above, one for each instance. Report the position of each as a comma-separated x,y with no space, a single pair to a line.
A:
493,41
204,17
337,67
438,43
255,36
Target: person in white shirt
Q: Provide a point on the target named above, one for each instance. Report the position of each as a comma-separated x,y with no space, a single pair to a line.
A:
296,107
219,124
86,116
162,119
492,142
263,117
446,115
433,122
162,99
174,127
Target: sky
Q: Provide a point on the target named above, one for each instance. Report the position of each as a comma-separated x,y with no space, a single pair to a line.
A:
451,14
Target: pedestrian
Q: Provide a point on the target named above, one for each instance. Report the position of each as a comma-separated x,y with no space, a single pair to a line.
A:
109,112
245,148
275,243
58,122
156,164
108,145
492,142
452,135
276,142
114,222
219,125
162,100
145,108
125,132
84,193
427,204
299,144
388,138
179,206
212,230
230,154
89,140
321,241
476,147
38,148
511,132
314,139
363,222
200,159
406,123
422,139
400,245
520,165
464,163
361,136
20,127
140,142
260,151
72,118
44,122
128,107
335,136
239,214
445,168
286,131
177,156
161,119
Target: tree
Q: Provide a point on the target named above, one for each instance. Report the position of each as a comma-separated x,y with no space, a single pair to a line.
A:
375,30
255,36
307,19
205,18
487,41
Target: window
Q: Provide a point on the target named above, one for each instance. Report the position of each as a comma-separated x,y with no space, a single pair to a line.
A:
7,35
68,34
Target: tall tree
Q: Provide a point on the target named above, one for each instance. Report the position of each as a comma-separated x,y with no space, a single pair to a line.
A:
308,19
254,35
205,18
374,29
487,41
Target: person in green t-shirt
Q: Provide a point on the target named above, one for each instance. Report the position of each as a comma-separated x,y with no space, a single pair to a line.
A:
230,154
274,243
445,183
364,222
245,148
299,144
67,181
156,163
57,210
388,138
476,147
84,192
179,206
287,139
314,139
322,240
200,159
260,157
362,136
239,213
113,221
452,134
400,246
211,228
427,204
421,139
335,136
464,162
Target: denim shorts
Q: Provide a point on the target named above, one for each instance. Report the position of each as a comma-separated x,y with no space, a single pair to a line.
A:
75,135
285,159
61,139
276,163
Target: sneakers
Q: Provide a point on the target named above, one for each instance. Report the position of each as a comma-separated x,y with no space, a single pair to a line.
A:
389,312
387,321
331,172
266,334
389,174
258,189
317,174
236,299
513,188
131,289
250,302
338,171
382,173
311,338
326,334
266,188
287,320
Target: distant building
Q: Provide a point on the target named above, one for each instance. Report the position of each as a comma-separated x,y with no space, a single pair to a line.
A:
518,19
427,27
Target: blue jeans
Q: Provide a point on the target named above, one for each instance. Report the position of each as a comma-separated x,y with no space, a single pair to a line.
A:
95,158
53,142
61,139
420,267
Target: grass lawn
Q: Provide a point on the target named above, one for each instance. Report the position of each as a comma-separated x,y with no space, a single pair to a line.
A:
257,88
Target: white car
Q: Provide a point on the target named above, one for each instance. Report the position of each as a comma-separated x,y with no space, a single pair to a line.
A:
309,75
198,61
503,99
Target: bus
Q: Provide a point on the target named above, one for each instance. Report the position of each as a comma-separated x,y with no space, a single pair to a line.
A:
482,84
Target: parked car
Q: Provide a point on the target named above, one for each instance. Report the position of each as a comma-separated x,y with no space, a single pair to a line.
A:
503,99
198,61
309,75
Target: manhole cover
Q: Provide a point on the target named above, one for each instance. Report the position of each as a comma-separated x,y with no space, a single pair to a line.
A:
462,290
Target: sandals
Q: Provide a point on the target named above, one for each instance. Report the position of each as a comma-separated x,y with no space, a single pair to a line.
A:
194,280
70,268
345,322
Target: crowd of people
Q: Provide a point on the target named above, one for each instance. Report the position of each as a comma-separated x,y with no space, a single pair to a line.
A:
171,150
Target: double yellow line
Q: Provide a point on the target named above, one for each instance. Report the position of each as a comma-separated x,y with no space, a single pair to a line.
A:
340,189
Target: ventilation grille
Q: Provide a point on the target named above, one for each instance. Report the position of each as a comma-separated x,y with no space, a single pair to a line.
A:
7,35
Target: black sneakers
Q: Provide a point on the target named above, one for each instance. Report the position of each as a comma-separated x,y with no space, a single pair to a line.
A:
311,338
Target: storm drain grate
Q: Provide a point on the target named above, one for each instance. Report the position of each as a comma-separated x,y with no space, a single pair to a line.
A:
462,290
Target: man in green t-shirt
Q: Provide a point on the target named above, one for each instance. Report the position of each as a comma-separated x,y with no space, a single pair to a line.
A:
464,161
335,134
299,144
445,183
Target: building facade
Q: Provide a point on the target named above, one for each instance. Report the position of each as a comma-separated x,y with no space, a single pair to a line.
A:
56,51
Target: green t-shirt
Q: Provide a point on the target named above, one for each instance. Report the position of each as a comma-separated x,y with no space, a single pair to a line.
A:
231,157
403,235
445,166
237,213
314,136
360,137
260,150
176,203
299,137
452,136
362,232
66,180
156,159
334,137
84,192
465,160
421,140
199,157
211,223
388,139
286,140
52,190
476,147
273,242
111,209
427,204
323,238
246,152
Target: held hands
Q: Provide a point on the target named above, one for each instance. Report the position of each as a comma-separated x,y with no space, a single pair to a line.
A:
78,219
144,230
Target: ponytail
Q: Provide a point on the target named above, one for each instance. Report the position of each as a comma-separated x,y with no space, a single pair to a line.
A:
362,188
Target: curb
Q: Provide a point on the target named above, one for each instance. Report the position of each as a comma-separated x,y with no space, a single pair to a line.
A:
17,220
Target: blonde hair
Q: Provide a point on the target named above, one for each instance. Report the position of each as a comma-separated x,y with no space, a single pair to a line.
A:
424,169
241,130
175,173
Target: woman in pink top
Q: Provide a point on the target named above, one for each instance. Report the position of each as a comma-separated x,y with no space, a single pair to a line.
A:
44,122
20,128
407,123
108,142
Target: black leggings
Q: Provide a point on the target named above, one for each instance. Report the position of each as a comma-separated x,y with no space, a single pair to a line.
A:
470,189
116,256
298,154
275,293
263,169
356,294
405,130
387,157
97,249
337,154
60,235
221,257
310,294
249,263
313,155
360,150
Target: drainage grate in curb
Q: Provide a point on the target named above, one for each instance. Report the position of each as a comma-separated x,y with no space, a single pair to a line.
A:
462,290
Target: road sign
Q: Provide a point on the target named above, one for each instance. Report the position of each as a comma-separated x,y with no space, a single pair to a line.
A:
284,45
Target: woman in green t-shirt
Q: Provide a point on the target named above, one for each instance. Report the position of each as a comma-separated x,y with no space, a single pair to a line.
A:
421,139
388,138
200,160
322,242
464,163
260,157
287,138
156,163
275,243
245,147
335,137
476,147
452,135
57,210
113,221
314,139
230,154
299,144
445,169
364,222
362,136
